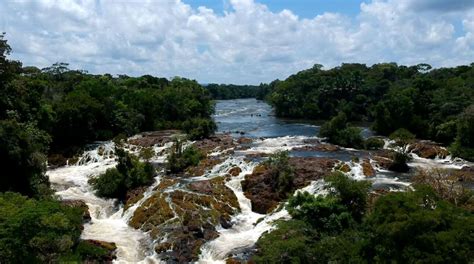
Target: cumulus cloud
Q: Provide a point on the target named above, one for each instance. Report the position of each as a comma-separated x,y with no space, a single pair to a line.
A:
248,43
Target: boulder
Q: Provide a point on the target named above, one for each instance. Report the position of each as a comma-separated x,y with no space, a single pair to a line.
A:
367,168
428,149
259,186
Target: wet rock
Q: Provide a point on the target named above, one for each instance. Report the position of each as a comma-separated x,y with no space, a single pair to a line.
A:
383,158
56,160
149,139
218,142
344,167
152,213
259,186
235,171
109,247
134,196
201,186
187,216
428,150
86,217
244,140
367,168
319,147
202,167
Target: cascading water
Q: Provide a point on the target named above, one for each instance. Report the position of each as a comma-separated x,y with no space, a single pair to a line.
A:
108,222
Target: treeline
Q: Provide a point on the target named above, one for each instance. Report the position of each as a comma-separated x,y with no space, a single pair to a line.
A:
57,110
232,91
436,104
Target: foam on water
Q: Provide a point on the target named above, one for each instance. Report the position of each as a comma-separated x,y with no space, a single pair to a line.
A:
108,222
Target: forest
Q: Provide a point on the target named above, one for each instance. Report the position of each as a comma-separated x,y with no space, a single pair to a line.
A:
435,104
53,113
50,114
232,91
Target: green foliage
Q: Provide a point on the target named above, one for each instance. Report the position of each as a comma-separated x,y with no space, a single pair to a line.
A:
282,172
34,231
232,91
351,193
180,158
402,227
338,132
373,143
199,128
417,226
402,136
326,214
427,103
22,148
464,144
399,163
129,173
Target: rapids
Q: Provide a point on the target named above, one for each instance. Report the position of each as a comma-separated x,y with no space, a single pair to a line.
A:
247,117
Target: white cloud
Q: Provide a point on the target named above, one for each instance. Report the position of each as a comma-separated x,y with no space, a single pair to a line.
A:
246,44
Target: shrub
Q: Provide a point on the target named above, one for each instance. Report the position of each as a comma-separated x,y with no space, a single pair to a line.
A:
399,163
282,172
326,214
351,193
417,226
180,158
402,136
338,132
199,128
129,173
33,231
374,143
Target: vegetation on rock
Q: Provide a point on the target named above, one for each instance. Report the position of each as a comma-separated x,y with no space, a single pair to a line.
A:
180,158
129,174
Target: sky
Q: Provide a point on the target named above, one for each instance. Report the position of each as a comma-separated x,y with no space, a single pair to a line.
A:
236,41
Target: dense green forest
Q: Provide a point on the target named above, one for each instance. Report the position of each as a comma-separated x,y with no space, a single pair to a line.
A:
232,91
350,226
56,111
435,104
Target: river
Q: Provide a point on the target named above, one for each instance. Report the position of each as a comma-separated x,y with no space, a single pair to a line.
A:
242,118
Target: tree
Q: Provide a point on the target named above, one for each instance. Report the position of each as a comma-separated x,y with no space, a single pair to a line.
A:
22,148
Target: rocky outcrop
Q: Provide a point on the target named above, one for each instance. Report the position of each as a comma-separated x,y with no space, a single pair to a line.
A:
235,171
323,147
428,150
149,139
259,186
218,142
107,257
367,168
186,214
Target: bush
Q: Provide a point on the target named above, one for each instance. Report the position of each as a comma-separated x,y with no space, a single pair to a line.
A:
325,214
338,132
373,143
417,226
179,159
33,231
129,174
199,128
399,163
402,136
351,193
282,172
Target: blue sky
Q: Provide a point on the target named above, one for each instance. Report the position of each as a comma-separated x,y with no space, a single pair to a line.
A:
236,41
302,8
